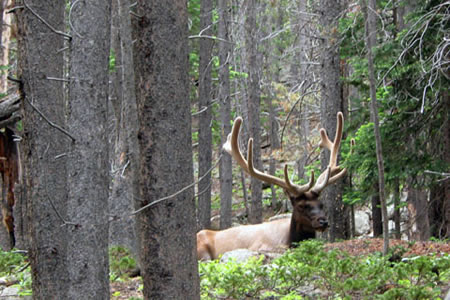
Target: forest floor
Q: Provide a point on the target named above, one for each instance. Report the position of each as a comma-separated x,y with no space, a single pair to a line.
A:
356,247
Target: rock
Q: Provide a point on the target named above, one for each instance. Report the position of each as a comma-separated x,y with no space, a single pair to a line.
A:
238,255
362,222
12,293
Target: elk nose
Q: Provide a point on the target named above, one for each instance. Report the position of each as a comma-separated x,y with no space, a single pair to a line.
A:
323,222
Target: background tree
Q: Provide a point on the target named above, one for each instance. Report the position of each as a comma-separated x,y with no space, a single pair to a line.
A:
45,147
225,167
371,39
166,229
331,103
87,158
205,117
253,105
125,184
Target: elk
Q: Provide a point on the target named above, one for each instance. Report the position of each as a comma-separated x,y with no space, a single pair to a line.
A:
307,217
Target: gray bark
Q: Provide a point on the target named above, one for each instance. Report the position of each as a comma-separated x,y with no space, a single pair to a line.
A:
225,167
88,170
166,229
271,68
371,40
125,184
331,103
44,146
254,95
205,118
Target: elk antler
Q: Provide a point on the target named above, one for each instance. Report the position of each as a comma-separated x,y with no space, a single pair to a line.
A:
333,171
232,147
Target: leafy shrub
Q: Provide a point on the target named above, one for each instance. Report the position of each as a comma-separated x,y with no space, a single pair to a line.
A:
310,272
120,263
14,267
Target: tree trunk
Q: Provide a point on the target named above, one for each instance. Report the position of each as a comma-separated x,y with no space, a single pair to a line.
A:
300,67
6,35
205,117
88,164
126,153
377,220
331,103
45,148
417,198
225,167
371,40
166,229
271,74
251,42
397,230
440,192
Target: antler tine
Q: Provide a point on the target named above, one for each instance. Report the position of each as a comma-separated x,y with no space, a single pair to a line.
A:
333,172
232,147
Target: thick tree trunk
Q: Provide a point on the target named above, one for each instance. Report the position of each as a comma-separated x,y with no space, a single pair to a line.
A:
417,198
45,148
331,103
88,168
166,229
205,117
225,168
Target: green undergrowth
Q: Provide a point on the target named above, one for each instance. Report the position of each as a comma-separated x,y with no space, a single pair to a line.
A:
15,271
310,272
121,263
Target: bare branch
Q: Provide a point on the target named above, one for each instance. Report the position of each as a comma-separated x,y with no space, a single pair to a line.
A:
45,22
50,122
178,192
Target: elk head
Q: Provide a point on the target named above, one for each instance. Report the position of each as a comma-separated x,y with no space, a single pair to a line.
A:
308,215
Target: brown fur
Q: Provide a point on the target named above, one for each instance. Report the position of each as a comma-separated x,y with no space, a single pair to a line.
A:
307,216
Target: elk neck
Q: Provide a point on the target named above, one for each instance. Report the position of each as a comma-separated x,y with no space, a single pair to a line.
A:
298,233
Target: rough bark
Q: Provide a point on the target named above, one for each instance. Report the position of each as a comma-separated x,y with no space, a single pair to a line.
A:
377,220
7,33
205,117
371,40
87,168
125,185
225,167
418,199
45,148
166,229
331,103
271,74
254,98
